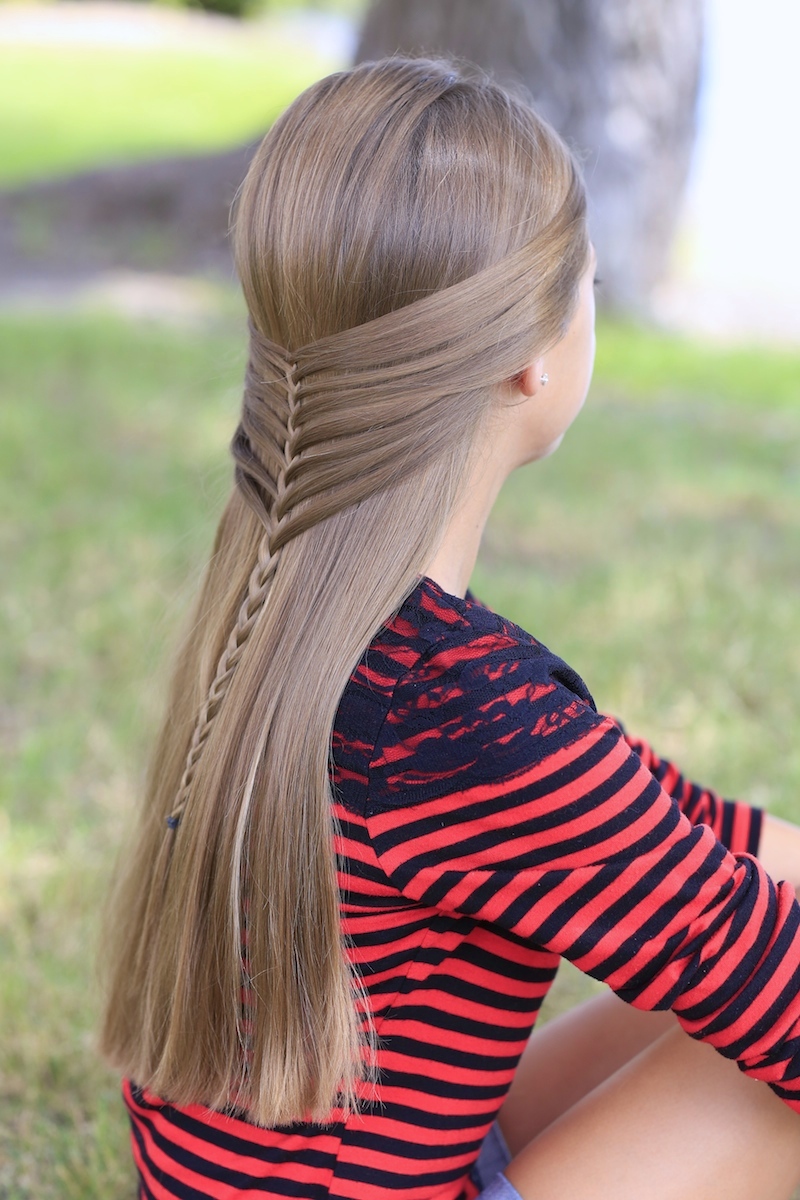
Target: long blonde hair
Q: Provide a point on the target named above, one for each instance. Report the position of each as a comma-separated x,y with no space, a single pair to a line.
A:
408,236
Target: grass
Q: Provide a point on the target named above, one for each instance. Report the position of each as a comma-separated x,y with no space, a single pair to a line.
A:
68,108
658,552
113,460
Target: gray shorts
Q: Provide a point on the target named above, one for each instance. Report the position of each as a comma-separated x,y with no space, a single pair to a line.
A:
489,1166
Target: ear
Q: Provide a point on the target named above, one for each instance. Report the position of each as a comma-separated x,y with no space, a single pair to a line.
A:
529,380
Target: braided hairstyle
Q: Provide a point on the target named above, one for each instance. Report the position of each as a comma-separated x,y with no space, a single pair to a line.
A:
250,476
408,236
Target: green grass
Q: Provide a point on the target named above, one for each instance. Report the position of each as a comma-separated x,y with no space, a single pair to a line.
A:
70,108
113,460
658,552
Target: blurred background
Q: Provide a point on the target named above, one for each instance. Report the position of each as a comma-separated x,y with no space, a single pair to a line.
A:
658,551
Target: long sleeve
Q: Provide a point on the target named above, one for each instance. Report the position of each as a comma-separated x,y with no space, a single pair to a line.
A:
511,801
736,824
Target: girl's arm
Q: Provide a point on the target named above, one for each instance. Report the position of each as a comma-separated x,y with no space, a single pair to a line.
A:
739,826
512,802
736,824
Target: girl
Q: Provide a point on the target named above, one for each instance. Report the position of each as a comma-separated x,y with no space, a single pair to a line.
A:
378,813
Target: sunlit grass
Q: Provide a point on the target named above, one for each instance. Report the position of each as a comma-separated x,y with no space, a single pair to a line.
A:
68,108
658,552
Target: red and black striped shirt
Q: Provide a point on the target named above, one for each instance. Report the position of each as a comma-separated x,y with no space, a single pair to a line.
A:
491,821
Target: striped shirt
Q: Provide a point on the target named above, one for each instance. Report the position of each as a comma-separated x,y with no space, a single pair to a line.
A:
491,821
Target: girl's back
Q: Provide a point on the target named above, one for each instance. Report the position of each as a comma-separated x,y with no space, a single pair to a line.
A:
377,812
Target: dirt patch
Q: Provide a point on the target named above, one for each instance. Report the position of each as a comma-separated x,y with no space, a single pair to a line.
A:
168,215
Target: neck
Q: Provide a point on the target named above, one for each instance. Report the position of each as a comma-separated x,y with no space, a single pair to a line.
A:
454,561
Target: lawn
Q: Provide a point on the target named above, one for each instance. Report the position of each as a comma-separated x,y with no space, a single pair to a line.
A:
68,108
658,551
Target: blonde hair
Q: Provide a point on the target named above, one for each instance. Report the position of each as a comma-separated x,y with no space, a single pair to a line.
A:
408,236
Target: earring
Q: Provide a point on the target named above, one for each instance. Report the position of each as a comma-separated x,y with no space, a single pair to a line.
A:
545,379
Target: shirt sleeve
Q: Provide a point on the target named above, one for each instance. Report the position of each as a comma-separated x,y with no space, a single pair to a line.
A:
736,824
518,805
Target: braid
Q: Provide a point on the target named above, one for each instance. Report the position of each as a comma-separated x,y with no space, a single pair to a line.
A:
275,519
290,473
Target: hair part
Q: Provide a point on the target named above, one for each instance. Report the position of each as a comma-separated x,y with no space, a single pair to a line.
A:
408,236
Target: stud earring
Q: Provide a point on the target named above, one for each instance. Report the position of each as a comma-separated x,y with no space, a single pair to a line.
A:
545,379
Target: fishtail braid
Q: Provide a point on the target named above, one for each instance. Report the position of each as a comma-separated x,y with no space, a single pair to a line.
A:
274,517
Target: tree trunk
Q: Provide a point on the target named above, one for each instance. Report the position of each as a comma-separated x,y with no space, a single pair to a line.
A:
617,78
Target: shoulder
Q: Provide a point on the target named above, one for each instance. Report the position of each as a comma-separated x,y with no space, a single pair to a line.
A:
481,698
482,654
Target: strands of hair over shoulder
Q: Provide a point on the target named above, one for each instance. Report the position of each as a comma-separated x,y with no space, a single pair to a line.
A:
408,236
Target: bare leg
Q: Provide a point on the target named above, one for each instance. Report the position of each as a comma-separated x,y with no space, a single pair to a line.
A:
677,1122
571,1055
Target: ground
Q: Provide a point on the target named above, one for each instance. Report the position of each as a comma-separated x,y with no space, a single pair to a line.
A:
658,552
